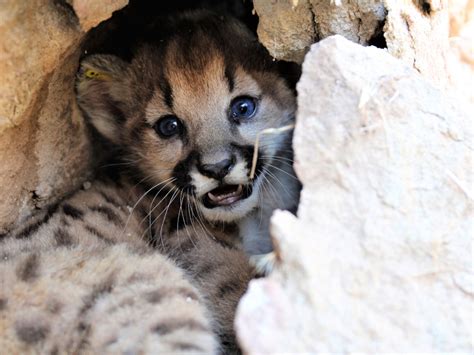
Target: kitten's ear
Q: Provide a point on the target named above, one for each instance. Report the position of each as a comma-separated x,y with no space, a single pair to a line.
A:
101,93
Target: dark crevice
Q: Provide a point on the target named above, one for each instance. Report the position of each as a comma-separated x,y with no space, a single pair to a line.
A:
117,35
378,38
36,199
313,23
424,6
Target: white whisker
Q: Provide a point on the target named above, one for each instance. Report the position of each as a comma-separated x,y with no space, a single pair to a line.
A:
136,204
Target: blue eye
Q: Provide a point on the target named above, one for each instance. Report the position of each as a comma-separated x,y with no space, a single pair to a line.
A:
168,126
242,108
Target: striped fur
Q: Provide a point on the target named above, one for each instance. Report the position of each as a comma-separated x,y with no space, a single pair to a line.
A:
83,277
140,262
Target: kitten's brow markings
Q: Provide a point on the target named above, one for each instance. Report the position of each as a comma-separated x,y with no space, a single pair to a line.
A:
167,91
229,74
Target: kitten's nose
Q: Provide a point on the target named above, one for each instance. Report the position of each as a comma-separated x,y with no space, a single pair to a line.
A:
218,170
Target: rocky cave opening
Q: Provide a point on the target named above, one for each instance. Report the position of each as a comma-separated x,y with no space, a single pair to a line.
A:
382,143
117,34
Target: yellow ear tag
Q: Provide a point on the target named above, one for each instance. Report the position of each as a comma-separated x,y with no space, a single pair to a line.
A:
93,74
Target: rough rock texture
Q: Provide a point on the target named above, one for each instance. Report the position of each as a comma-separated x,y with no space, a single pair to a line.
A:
358,21
42,138
92,12
285,28
288,28
379,257
414,31
418,33
461,58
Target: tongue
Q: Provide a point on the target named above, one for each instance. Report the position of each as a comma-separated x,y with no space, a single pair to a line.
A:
225,195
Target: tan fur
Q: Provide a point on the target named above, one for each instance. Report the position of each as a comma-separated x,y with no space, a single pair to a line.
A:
139,263
86,280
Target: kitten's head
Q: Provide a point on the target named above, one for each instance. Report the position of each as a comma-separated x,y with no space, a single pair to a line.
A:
187,108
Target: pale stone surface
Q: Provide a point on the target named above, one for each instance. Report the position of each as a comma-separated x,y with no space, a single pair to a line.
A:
420,38
92,12
461,56
44,151
379,258
415,31
436,37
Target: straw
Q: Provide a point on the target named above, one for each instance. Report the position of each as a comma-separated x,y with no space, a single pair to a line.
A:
257,142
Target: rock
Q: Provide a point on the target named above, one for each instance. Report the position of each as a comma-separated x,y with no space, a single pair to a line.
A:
91,12
43,145
379,257
415,31
288,28
433,36
285,28
355,20
461,56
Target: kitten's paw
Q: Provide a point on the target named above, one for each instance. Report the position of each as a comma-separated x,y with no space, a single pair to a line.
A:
264,263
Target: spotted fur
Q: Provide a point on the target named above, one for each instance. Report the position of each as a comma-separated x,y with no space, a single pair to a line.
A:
138,263
193,68
89,280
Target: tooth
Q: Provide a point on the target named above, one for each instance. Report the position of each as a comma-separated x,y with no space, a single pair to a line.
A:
221,197
213,197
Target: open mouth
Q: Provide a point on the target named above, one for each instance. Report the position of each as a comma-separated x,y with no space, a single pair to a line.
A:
226,195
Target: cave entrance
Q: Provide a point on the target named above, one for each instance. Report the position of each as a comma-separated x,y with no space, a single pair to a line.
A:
117,34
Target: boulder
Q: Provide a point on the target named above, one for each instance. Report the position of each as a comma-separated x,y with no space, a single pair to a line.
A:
414,31
288,28
378,258
461,55
92,12
44,148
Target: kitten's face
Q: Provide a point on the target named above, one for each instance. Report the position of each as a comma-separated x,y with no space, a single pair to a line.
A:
188,114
